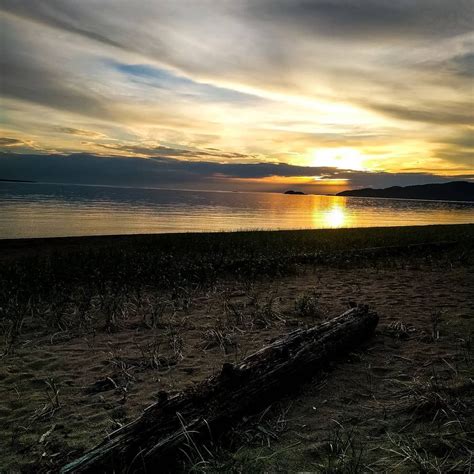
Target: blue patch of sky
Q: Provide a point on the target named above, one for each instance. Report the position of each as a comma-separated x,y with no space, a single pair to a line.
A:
151,76
465,64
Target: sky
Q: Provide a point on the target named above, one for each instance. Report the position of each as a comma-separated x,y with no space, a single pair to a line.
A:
258,95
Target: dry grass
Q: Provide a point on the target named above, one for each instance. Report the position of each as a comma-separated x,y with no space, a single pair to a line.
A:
110,333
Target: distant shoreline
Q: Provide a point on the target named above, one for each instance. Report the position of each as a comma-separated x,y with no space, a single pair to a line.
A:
3,180
342,194
461,191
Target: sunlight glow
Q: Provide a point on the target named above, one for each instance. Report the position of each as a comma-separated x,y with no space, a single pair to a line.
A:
342,157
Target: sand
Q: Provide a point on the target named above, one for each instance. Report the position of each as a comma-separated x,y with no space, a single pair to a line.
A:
61,393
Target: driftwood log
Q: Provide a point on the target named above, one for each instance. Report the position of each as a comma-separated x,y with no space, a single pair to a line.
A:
207,409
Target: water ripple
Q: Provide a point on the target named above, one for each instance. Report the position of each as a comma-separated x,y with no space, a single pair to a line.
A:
44,210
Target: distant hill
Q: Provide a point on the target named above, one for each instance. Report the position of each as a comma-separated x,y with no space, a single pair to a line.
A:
452,191
290,191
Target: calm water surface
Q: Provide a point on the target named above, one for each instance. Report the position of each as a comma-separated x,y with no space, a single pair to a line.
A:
47,210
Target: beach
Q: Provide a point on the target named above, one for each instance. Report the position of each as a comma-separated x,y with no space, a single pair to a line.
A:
236,237
95,328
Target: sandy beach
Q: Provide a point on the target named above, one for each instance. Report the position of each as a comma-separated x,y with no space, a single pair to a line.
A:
81,360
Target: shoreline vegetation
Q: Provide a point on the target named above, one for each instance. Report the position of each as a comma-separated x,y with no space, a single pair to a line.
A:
94,329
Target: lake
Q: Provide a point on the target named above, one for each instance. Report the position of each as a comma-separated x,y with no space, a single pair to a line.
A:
52,210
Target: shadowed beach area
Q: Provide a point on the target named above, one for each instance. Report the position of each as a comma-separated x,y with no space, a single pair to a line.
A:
94,329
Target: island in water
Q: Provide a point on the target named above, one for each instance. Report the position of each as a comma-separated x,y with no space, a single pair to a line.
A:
290,191
452,191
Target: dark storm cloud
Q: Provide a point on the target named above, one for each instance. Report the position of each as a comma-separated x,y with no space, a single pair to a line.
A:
370,19
163,171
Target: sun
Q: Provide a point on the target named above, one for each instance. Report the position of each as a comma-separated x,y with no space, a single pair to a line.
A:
341,157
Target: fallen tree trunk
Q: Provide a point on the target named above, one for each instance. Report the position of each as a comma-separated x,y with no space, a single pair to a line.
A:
207,409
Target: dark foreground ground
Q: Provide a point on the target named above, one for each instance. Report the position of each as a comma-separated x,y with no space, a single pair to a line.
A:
93,328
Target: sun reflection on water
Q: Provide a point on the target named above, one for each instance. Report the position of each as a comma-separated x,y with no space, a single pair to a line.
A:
335,217
330,212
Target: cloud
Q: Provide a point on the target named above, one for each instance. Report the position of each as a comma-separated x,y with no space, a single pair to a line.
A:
164,151
153,77
8,142
464,64
81,133
18,144
265,80
370,19
456,149
444,114
267,43
461,139
170,172
35,70
59,15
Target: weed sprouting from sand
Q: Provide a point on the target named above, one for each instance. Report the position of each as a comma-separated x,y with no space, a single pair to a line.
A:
151,355
181,298
435,320
370,378
193,451
465,349
400,330
112,311
52,403
154,310
176,343
430,399
12,319
225,339
309,306
265,311
263,428
413,454
181,264
122,377
232,312
340,453
10,330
